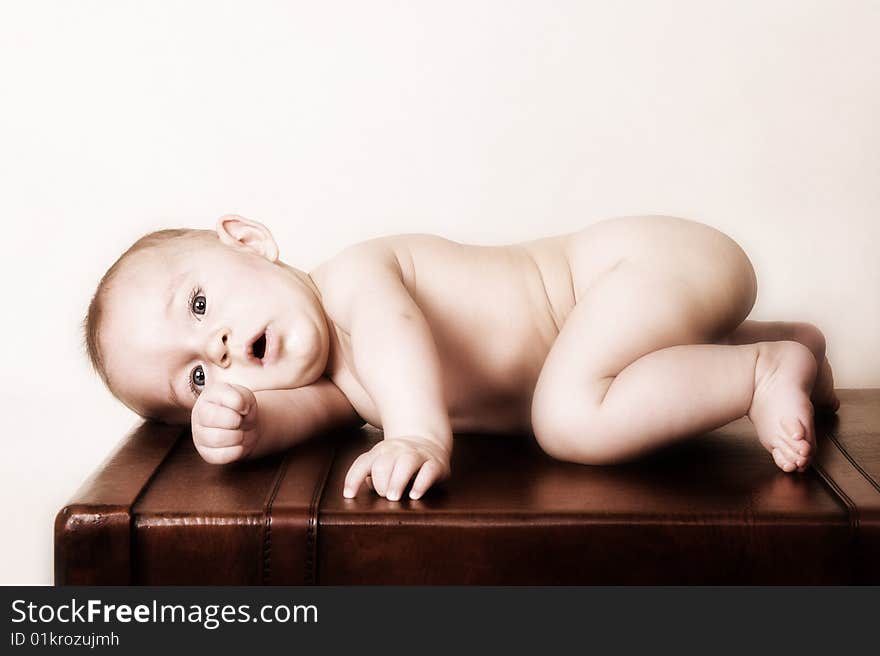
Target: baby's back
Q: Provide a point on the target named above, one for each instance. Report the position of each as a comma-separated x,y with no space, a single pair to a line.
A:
494,313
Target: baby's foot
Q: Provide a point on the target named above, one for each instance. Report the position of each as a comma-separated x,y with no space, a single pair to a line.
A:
781,410
823,389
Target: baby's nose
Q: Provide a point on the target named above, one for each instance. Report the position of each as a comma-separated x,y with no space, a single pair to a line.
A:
218,350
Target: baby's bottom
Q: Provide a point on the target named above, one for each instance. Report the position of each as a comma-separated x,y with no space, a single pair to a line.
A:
644,360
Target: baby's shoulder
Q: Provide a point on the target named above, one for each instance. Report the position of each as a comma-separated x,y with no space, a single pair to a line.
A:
371,264
369,256
394,252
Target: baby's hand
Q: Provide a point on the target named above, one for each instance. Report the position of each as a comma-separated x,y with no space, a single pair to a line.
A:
224,423
393,462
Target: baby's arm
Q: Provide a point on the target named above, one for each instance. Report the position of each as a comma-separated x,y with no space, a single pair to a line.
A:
398,364
229,422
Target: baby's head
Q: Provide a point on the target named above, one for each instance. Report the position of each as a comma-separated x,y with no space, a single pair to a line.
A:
183,308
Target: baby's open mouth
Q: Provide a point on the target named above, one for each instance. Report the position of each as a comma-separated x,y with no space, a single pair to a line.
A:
259,347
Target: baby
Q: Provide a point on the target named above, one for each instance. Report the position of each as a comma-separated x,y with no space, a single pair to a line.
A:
604,343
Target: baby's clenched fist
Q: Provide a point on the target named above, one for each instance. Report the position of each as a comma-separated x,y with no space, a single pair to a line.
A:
225,423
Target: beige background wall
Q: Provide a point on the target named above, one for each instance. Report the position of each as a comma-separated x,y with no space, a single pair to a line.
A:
485,122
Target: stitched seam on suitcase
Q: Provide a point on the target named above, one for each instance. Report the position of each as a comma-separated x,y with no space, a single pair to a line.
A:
312,531
851,510
267,519
852,461
156,469
132,521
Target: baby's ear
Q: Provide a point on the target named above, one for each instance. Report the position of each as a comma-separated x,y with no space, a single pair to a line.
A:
239,232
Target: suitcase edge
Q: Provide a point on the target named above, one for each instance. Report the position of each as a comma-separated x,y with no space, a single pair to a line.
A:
93,530
846,478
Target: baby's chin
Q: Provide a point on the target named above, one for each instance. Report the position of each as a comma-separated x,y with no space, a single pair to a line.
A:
309,373
285,374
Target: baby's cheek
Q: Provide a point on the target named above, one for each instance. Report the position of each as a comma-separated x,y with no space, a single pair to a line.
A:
228,376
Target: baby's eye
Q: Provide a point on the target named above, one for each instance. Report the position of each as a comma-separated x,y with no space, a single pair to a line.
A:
199,304
197,379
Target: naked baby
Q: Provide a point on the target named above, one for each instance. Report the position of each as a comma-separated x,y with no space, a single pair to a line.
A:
604,343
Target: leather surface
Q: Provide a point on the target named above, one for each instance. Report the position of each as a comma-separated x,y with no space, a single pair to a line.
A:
714,510
92,532
711,510
196,522
851,467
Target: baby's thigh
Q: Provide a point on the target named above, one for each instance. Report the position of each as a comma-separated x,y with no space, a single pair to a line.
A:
632,310
675,252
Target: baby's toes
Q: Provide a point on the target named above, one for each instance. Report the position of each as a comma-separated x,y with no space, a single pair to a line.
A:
798,433
791,449
792,429
806,448
794,452
782,461
803,447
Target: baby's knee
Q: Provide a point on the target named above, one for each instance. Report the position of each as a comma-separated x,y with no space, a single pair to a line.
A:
574,439
810,336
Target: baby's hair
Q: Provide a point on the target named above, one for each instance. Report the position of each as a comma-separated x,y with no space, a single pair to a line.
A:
92,323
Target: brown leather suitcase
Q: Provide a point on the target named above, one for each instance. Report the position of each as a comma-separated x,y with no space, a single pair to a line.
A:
712,510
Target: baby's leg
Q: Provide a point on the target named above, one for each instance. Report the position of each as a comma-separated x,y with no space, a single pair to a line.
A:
634,367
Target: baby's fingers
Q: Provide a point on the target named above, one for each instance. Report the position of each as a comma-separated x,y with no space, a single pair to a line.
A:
218,416
404,469
430,473
216,438
358,471
234,397
381,471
